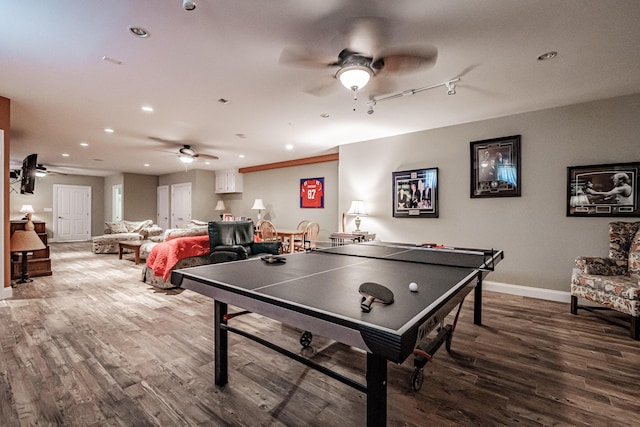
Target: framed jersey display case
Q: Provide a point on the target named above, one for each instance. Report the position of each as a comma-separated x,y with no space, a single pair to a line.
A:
312,193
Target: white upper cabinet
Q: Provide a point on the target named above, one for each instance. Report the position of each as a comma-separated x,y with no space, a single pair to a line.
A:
228,181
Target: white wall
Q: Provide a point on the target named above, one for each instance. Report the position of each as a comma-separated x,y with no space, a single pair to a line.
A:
539,241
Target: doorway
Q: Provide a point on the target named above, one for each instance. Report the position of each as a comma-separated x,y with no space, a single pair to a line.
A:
71,212
163,206
180,204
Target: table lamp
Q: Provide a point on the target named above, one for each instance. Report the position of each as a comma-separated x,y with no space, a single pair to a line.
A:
220,207
26,241
357,208
258,205
27,210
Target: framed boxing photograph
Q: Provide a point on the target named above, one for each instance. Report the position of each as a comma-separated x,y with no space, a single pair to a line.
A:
415,193
603,190
495,167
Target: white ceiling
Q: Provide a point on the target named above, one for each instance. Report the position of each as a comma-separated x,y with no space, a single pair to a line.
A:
63,92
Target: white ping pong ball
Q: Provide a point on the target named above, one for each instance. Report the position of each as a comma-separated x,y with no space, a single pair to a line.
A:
413,287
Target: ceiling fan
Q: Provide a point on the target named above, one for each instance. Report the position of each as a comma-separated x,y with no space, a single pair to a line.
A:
362,60
187,154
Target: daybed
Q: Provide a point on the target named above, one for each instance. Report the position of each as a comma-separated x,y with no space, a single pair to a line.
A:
223,241
121,231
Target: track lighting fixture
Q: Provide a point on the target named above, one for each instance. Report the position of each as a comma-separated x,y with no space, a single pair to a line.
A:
450,85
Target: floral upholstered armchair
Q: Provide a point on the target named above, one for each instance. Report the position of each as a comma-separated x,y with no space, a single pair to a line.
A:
613,282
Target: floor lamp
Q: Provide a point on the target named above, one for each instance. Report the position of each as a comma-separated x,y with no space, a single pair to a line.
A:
26,241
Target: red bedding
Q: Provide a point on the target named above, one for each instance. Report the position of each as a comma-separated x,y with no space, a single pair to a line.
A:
164,256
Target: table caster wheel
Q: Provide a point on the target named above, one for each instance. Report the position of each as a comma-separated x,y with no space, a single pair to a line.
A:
416,379
305,339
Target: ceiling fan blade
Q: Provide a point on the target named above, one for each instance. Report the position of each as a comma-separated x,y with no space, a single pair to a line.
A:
303,58
208,156
381,85
405,61
365,34
323,87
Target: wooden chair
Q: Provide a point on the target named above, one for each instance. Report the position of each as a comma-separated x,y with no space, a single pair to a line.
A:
268,232
309,239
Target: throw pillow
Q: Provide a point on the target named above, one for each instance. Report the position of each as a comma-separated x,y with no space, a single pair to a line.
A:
634,257
116,227
136,226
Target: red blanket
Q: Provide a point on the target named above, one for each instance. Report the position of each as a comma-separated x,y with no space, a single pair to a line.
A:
164,256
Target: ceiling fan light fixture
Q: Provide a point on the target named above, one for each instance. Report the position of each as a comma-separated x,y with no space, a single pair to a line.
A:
186,159
354,77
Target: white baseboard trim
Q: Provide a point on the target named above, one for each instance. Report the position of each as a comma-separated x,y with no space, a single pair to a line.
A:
527,291
6,293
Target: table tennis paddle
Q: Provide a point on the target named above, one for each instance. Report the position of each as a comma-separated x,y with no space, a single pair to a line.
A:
270,259
371,292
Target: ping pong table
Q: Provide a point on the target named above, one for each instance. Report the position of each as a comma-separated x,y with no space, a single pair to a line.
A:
317,292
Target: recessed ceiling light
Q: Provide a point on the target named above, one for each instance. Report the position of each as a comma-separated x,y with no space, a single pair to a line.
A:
146,165
324,115
223,101
241,156
289,147
207,163
108,130
139,32
84,144
65,154
147,109
547,55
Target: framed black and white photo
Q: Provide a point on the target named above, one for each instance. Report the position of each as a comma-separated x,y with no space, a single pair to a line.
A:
495,167
415,193
603,190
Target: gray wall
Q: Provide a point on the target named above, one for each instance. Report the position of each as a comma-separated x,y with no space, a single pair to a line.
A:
280,191
42,198
539,241
139,197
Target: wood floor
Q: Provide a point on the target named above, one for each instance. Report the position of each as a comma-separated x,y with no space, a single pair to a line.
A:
93,346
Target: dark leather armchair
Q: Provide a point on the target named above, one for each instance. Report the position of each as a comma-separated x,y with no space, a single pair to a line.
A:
234,240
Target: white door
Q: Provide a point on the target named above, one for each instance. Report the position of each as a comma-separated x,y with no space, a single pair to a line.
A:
163,207
180,204
72,212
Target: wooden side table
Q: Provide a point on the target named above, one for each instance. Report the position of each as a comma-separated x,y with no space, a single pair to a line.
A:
133,245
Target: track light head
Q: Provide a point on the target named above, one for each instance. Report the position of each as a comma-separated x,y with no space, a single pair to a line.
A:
188,4
451,88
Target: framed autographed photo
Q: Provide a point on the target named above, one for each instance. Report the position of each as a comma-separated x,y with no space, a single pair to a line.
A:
415,193
312,193
603,190
495,167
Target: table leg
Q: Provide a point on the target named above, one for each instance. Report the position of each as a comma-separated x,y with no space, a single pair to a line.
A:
376,391
137,253
120,251
477,302
221,344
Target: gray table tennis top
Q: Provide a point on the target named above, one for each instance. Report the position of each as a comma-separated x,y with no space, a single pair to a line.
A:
324,285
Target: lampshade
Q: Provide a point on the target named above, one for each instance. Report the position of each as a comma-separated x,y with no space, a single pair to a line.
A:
258,205
27,209
357,208
220,206
354,77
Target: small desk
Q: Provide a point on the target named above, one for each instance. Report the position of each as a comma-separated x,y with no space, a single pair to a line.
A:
290,235
133,245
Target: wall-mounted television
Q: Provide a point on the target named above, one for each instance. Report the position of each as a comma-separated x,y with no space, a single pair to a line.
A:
28,180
